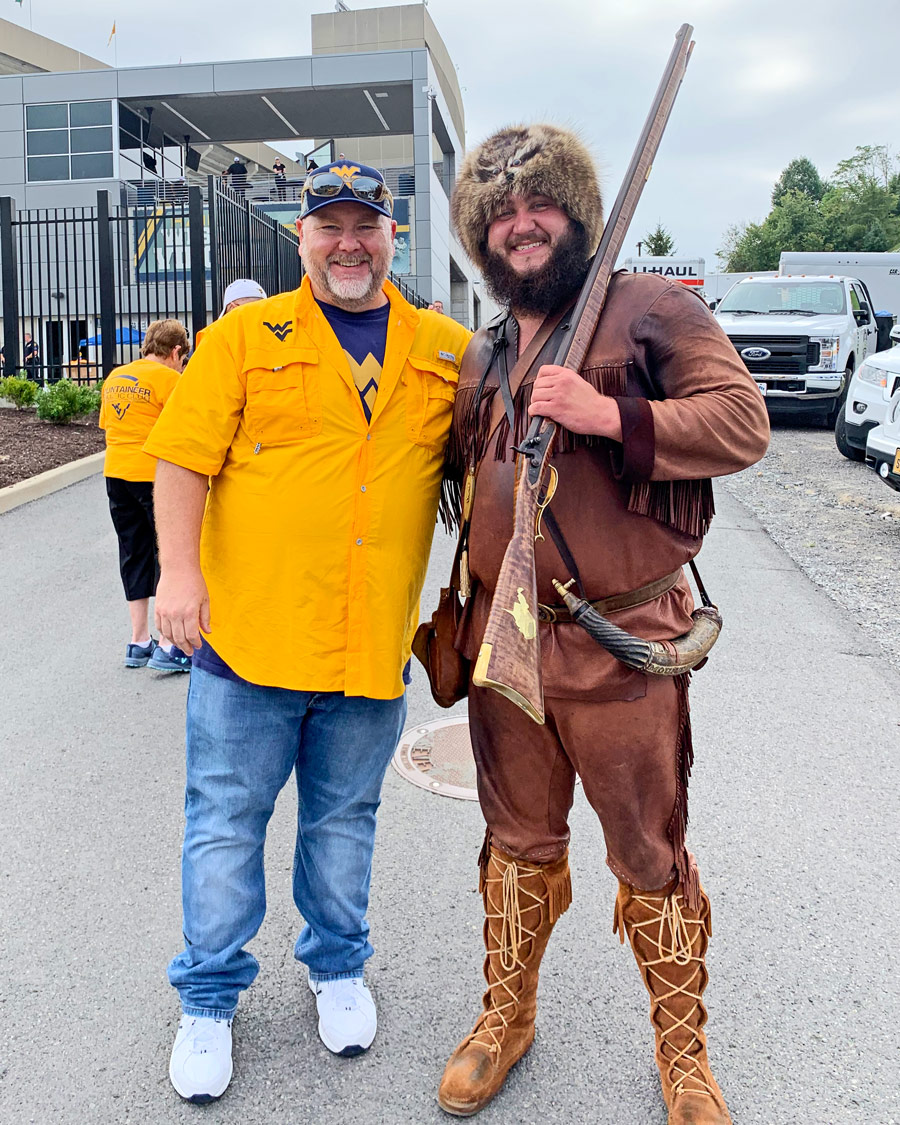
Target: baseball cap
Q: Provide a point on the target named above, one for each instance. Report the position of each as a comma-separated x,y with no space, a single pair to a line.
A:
241,289
345,181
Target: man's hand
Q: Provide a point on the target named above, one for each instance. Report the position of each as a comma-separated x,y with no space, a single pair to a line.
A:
572,402
182,608
182,601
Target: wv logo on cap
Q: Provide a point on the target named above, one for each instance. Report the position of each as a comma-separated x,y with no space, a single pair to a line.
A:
346,173
280,330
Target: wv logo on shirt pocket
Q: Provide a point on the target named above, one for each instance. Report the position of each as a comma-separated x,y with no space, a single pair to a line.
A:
121,411
280,330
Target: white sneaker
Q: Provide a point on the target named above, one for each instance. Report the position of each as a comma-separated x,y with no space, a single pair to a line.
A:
200,1068
347,1018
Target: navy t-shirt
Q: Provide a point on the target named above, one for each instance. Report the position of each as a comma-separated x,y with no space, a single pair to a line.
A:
362,335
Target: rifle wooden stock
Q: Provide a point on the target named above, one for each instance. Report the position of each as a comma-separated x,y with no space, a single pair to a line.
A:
510,658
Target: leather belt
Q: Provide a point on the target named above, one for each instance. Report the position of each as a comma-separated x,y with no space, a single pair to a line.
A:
559,614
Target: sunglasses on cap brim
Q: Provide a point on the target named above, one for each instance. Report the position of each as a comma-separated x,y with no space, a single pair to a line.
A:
329,185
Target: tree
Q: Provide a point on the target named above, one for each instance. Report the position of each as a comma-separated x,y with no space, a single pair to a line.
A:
743,250
659,243
795,224
850,210
858,210
800,175
875,240
868,162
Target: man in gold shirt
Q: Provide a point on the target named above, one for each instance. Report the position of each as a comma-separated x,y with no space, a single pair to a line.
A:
319,418
133,398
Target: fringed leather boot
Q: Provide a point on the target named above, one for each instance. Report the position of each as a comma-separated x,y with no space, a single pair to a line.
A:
669,939
522,902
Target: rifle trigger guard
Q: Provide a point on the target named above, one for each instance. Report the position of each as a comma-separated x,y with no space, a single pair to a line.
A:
551,490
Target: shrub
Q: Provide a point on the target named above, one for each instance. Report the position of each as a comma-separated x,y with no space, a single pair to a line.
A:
21,392
64,401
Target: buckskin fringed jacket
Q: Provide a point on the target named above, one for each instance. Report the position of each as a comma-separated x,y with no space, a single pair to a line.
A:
630,511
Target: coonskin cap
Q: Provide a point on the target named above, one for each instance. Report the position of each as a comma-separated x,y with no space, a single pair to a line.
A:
525,160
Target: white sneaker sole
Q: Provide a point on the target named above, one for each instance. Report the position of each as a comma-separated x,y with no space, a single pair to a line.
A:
349,1051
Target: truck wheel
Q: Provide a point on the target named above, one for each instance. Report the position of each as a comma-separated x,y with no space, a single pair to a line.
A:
840,440
837,411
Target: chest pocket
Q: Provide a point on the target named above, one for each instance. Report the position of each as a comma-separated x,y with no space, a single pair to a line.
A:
284,395
430,391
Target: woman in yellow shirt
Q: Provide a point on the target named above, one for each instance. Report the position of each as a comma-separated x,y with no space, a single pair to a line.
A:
133,397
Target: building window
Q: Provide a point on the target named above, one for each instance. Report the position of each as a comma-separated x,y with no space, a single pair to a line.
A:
69,141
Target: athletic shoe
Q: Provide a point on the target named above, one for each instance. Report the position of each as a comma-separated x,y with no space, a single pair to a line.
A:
201,1068
347,1018
175,661
136,656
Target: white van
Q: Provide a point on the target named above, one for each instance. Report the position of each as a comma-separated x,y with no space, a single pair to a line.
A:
880,273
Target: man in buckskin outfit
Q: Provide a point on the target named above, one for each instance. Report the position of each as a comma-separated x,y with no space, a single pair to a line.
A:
661,404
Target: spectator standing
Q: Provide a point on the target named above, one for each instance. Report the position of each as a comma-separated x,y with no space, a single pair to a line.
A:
437,306
133,398
31,358
237,173
280,178
320,436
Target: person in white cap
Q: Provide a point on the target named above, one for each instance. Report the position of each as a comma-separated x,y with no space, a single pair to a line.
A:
240,292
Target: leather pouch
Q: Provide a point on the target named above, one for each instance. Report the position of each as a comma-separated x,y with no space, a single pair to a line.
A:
447,670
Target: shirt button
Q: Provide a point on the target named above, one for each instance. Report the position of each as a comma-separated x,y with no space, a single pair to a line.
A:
368,437
359,542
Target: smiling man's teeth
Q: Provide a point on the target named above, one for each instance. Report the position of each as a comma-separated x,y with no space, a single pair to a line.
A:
528,245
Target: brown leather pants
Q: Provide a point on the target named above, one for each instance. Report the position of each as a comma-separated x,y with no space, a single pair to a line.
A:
626,754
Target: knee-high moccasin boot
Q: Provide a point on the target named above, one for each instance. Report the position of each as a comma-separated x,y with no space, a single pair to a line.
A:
669,941
522,902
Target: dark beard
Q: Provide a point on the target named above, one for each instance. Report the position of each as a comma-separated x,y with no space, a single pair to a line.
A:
549,288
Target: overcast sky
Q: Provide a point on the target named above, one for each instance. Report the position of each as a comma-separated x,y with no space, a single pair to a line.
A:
769,80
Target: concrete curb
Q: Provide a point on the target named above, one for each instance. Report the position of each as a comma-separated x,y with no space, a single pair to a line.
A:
53,480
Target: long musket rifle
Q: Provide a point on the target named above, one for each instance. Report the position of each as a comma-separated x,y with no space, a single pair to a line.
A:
510,657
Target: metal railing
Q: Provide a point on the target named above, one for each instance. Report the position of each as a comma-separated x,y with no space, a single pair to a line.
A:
82,284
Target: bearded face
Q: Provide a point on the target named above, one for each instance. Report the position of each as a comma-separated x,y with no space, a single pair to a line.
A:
536,257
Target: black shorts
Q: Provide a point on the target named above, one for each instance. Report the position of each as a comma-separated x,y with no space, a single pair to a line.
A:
131,508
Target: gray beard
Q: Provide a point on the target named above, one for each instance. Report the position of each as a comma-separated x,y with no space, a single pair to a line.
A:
546,290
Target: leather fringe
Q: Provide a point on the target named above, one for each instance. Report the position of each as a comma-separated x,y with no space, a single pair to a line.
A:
688,875
450,504
559,894
484,858
686,505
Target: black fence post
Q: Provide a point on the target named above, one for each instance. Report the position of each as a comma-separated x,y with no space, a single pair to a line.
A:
248,270
213,205
107,283
198,261
9,280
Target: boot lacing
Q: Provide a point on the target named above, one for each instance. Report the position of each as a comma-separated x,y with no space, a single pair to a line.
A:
670,932
510,950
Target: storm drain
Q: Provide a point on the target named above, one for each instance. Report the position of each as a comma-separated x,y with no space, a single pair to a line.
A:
437,756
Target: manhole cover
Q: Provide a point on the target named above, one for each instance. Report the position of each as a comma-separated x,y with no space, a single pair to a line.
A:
437,756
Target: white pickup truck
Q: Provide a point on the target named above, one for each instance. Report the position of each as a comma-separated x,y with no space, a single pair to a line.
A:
801,338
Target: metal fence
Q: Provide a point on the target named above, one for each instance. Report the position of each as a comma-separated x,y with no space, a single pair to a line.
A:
246,242
81,284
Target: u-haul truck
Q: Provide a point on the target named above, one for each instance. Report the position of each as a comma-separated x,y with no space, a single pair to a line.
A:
689,271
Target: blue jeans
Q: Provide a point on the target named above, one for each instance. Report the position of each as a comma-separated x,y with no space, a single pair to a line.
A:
243,741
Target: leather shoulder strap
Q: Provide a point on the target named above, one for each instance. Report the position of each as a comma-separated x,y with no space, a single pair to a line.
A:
523,365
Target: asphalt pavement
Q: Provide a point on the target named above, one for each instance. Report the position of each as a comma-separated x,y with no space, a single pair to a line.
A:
795,807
